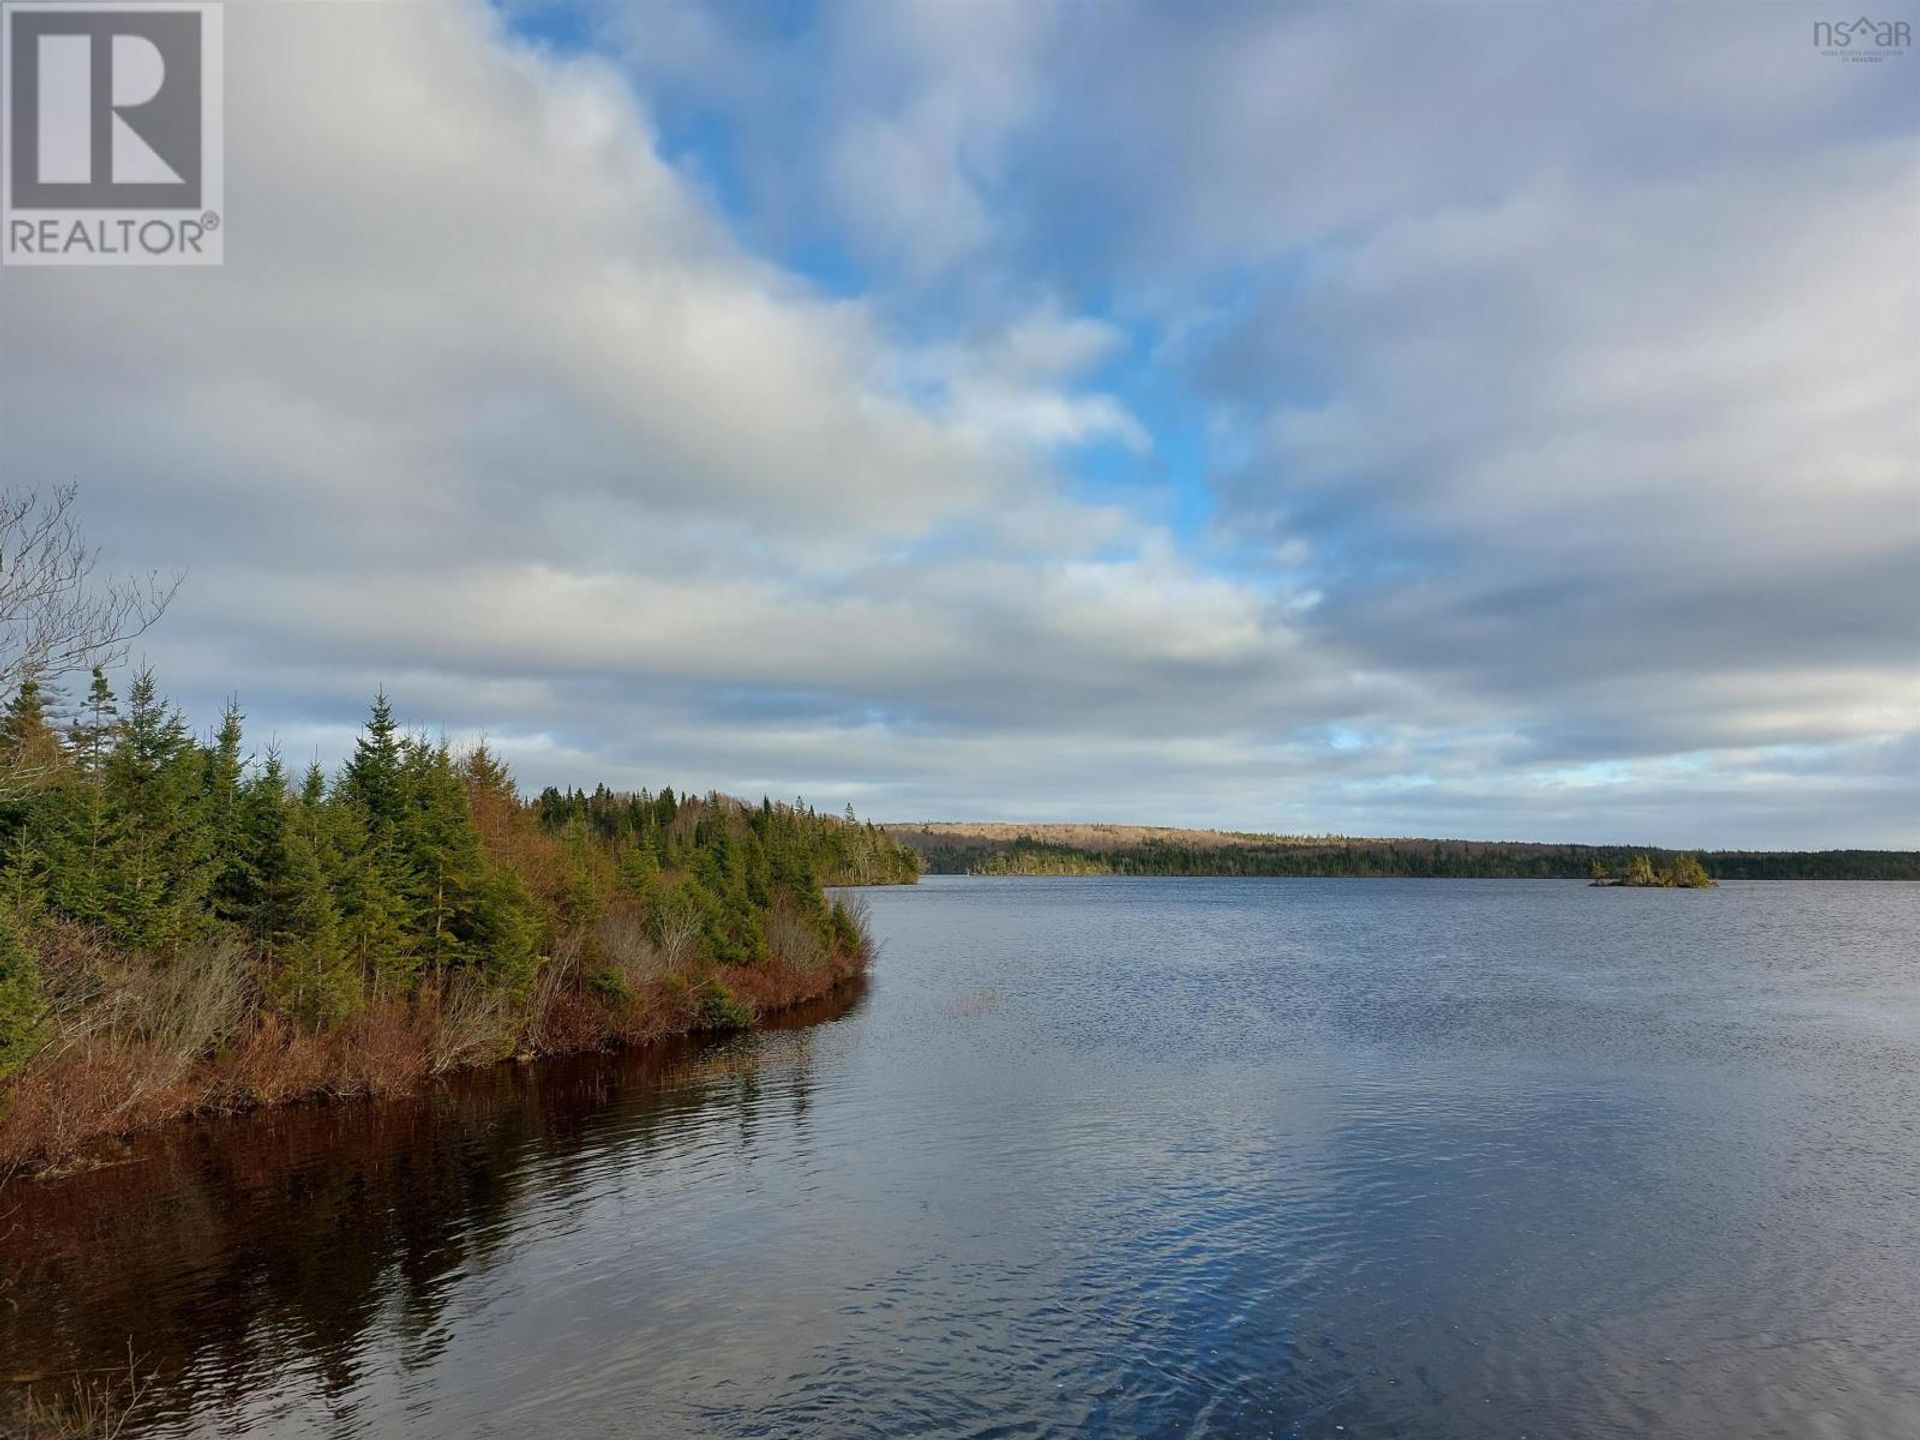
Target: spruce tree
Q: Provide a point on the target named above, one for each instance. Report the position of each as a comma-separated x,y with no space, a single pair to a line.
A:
157,870
375,882
441,848
372,779
30,752
235,888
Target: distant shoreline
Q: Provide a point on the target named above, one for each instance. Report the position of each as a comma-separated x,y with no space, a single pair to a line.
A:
1003,848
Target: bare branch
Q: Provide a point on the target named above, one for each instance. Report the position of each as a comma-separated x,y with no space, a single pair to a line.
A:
55,618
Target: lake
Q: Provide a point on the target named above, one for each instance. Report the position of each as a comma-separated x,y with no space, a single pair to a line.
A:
1090,1157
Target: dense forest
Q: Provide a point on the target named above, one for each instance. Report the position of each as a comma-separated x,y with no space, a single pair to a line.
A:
185,925
949,850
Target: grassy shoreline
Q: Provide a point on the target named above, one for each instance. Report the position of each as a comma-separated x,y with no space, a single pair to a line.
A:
75,1115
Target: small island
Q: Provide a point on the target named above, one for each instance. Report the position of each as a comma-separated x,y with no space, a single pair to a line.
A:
1687,873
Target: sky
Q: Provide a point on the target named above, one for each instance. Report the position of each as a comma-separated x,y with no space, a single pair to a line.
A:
1473,419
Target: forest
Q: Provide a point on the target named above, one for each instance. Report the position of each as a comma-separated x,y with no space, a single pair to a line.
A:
952,850
185,925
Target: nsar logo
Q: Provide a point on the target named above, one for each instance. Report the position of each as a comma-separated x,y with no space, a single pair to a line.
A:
112,153
1862,39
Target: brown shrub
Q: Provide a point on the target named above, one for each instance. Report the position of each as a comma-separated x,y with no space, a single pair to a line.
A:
793,939
621,941
73,962
187,1006
678,940
565,1021
101,1086
470,1023
276,1063
385,1051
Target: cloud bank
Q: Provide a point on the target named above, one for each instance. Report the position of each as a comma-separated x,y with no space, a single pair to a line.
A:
1429,419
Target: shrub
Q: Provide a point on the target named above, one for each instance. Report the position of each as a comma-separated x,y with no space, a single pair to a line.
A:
1689,873
849,919
385,1053
472,1023
795,939
624,943
608,982
189,1006
721,1009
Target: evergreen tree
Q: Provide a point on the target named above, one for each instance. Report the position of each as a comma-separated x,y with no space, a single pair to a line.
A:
639,872
78,825
235,880
264,816
20,1003
441,847
30,753
95,730
375,922
372,779
316,980
157,871
579,897
374,879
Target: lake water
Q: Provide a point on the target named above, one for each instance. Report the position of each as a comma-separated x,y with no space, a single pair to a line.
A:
1092,1157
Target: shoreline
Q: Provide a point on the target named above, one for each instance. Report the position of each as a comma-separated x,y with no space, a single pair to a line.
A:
1002,849
189,930
229,1087
1372,876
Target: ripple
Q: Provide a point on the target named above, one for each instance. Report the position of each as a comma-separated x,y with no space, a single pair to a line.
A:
1131,1158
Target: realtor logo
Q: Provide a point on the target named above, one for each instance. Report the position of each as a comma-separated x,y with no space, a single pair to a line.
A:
112,152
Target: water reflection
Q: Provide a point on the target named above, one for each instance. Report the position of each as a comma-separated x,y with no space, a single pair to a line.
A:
263,1252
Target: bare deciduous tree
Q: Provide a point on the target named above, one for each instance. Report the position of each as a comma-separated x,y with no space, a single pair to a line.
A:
55,616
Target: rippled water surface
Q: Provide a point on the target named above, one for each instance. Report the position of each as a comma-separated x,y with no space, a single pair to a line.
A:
1102,1157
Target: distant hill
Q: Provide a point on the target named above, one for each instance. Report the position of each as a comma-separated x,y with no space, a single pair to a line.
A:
1002,848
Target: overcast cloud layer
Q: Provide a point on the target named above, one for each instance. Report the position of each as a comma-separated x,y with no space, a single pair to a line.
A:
1444,419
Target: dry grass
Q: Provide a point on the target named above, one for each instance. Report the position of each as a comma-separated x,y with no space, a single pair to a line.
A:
88,1405
277,1062
135,1043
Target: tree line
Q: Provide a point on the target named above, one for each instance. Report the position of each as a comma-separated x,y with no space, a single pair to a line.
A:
159,888
942,854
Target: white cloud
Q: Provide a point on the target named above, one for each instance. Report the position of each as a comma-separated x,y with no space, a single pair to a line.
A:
1555,415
